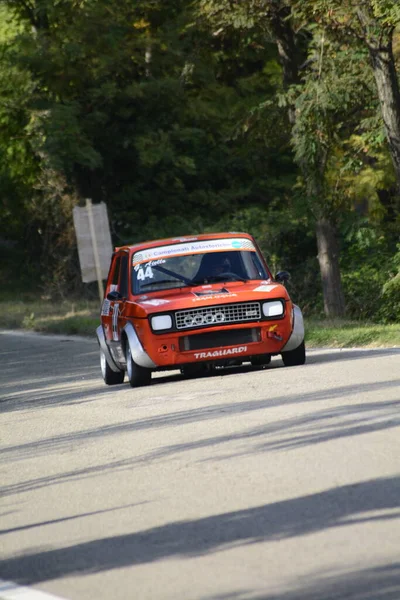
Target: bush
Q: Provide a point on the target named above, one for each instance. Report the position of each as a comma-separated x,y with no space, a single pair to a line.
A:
390,306
369,265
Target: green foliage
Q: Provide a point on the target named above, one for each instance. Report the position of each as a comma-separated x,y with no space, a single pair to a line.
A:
369,267
389,310
176,115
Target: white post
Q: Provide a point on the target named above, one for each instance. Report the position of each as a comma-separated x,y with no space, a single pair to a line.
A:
95,249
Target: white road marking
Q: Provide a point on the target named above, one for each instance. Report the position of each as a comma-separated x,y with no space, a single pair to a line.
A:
12,591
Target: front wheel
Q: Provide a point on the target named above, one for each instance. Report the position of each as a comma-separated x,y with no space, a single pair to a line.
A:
137,375
110,377
295,357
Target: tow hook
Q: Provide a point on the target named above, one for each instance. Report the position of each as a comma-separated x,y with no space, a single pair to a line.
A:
273,334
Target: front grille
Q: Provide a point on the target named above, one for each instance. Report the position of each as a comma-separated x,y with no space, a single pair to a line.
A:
218,315
217,339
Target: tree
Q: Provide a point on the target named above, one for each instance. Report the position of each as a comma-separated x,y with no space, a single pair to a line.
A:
371,22
132,107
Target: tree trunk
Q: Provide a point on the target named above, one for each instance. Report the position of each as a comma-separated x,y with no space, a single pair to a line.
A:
328,258
389,98
286,43
328,249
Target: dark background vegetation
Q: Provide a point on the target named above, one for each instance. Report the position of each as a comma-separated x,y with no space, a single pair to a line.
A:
183,117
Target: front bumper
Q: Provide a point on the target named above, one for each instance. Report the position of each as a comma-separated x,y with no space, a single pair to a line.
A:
238,342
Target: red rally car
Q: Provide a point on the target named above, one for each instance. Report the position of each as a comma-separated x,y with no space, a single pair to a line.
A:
194,303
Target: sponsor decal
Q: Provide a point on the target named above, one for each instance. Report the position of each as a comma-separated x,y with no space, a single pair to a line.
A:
156,302
243,244
190,248
145,271
212,296
105,309
220,353
152,263
265,288
115,322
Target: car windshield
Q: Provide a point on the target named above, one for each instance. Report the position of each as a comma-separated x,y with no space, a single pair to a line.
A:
196,269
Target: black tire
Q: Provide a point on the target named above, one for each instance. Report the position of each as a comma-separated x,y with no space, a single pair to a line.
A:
137,376
261,360
110,377
295,357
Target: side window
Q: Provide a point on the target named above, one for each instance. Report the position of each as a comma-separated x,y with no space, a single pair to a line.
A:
261,273
115,275
123,282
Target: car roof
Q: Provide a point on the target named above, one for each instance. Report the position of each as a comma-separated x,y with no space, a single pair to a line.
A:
182,239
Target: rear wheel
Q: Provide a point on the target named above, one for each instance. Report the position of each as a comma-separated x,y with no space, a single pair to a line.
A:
137,375
295,357
110,377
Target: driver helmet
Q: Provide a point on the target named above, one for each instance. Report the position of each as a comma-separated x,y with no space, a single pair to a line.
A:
222,264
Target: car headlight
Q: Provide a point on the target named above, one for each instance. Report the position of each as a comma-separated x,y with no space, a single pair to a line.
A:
274,308
161,322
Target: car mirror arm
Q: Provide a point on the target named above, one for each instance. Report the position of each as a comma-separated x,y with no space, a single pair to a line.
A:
114,295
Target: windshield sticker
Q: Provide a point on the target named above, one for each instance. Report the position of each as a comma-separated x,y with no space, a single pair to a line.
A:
143,274
265,288
156,302
243,244
152,263
192,248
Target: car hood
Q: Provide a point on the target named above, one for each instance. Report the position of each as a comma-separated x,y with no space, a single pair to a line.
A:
209,295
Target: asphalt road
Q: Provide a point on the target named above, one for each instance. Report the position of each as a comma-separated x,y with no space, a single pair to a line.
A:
277,483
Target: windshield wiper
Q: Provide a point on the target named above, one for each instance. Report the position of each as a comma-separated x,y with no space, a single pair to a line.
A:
173,274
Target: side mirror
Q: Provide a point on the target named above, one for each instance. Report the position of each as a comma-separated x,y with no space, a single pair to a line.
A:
282,276
113,296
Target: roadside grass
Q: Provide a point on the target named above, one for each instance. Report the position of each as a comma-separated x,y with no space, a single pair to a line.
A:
82,318
341,333
68,318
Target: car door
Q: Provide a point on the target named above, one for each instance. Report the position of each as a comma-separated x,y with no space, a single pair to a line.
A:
119,318
117,294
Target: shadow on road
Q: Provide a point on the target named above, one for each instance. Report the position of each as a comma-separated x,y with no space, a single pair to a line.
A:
315,427
373,500
376,583
32,375
64,519
50,371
